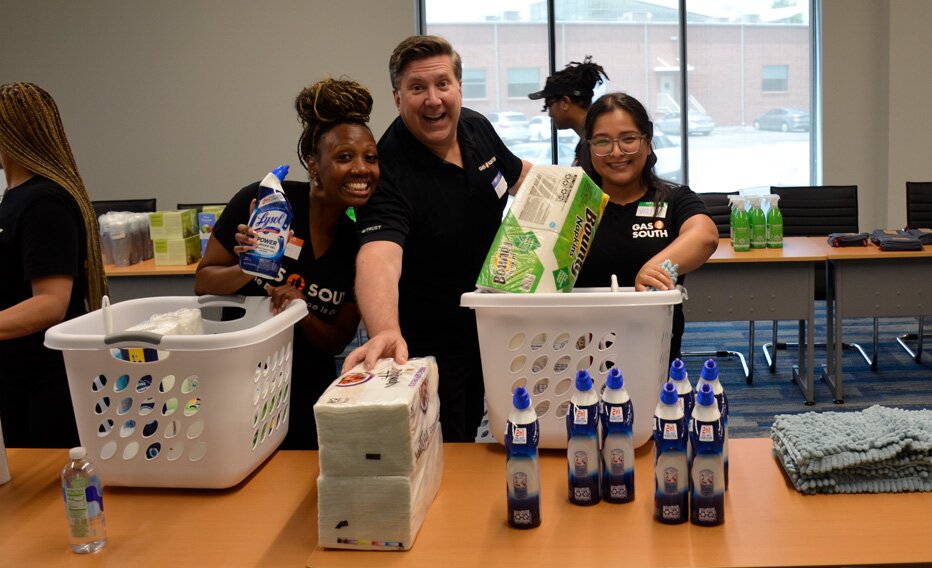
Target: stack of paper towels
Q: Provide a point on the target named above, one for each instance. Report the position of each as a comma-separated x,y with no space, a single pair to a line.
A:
381,455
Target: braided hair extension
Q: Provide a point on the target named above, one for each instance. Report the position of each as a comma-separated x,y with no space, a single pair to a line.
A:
584,76
31,132
326,104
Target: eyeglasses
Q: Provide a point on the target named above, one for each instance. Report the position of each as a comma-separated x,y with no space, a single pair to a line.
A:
603,145
549,101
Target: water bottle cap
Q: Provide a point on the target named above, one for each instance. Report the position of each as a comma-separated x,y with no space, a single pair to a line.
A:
705,396
668,394
677,370
281,172
709,370
614,380
583,380
521,398
77,453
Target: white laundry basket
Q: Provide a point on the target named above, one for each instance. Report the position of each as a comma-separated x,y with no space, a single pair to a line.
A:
540,341
180,410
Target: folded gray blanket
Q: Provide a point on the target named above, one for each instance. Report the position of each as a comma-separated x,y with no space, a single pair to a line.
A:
876,450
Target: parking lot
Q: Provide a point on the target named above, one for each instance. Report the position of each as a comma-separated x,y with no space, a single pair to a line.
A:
734,158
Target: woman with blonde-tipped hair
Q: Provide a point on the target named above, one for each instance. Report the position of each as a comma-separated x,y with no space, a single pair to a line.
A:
52,271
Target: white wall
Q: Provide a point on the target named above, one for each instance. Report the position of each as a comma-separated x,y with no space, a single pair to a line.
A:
877,114
189,100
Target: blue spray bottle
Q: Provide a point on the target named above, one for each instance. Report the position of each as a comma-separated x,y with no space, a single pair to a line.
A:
582,442
709,374
270,221
617,416
707,461
671,472
522,466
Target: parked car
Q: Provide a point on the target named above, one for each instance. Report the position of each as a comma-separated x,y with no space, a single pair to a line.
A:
669,160
540,152
540,130
511,126
784,119
699,123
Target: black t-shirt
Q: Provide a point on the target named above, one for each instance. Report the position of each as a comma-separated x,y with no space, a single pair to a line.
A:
42,233
445,218
326,283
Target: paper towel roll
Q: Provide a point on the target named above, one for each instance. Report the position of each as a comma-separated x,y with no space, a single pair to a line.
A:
378,422
382,512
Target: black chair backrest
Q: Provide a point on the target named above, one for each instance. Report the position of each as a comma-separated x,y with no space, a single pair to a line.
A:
818,210
131,205
719,210
919,204
198,206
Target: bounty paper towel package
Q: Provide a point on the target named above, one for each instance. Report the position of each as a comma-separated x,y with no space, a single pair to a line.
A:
378,422
379,512
544,237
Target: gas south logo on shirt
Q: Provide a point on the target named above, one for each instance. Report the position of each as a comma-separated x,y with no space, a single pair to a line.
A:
656,229
319,298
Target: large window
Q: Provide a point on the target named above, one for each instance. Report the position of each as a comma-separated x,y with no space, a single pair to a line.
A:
474,84
743,60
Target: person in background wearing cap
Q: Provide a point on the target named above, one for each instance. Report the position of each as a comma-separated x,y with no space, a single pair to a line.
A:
567,95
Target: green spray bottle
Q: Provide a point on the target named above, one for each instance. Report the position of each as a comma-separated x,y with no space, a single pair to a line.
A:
758,222
774,223
741,241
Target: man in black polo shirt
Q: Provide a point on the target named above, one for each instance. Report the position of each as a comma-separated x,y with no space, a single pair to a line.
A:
428,227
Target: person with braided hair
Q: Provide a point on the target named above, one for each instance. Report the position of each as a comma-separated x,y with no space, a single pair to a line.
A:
339,152
567,95
52,268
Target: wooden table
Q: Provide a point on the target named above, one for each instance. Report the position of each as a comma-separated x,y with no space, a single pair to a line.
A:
270,520
762,284
869,282
145,279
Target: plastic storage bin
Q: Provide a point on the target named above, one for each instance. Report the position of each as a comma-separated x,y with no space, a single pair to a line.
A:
180,410
539,341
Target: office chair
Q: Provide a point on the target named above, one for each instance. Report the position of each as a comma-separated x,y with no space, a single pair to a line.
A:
720,211
131,205
197,206
814,211
918,216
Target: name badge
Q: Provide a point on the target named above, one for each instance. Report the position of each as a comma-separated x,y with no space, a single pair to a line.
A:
499,184
293,247
646,209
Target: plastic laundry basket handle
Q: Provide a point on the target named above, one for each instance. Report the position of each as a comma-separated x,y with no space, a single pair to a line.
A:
133,337
212,300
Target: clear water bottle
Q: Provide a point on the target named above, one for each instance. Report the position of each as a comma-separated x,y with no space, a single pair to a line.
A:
707,461
684,389
270,221
671,471
523,467
617,417
709,374
582,442
84,503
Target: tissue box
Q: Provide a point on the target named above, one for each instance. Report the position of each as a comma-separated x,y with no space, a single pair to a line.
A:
173,224
381,512
378,422
544,237
177,252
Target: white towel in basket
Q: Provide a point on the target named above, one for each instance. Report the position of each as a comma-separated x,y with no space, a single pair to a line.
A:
378,422
379,513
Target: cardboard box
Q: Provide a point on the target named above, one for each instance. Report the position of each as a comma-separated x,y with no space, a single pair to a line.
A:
179,224
206,220
177,252
545,236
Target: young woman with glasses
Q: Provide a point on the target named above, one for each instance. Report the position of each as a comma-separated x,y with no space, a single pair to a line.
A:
648,220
